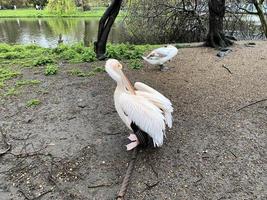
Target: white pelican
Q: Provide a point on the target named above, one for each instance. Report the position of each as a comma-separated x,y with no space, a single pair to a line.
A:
144,110
161,55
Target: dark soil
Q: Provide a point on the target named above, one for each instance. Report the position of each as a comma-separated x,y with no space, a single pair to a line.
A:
71,146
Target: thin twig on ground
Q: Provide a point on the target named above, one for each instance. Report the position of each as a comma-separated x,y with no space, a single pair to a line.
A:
100,185
232,153
251,104
200,179
33,198
149,187
24,194
153,169
227,69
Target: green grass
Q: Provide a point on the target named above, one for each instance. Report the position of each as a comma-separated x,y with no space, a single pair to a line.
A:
135,64
97,12
15,57
78,72
27,82
33,102
51,70
14,90
11,92
6,73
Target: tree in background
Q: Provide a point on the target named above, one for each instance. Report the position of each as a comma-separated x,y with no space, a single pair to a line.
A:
167,21
10,3
216,37
259,5
61,6
104,27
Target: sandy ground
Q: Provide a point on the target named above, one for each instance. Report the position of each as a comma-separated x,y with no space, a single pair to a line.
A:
72,145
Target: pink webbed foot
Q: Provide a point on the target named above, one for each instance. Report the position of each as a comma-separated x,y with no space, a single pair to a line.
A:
134,142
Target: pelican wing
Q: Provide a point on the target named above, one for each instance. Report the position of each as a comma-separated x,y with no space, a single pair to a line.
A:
156,98
145,115
161,55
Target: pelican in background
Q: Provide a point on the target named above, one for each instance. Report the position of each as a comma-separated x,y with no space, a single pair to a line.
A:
144,110
161,55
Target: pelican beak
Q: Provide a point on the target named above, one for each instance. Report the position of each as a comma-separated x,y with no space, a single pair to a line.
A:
128,83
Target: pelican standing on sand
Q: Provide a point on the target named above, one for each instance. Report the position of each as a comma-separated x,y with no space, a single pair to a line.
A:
161,55
144,110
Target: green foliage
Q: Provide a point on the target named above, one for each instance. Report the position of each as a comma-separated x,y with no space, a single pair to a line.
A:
11,92
14,90
60,48
135,64
34,56
69,54
33,102
99,69
80,73
6,73
126,51
4,48
42,60
61,7
77,72
51,70
88,55
12,55
75,53
27,82
32,13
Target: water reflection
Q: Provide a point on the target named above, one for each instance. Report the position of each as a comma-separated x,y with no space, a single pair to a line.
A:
46,31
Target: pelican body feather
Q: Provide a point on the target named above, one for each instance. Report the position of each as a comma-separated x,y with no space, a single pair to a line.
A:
140,105
161,55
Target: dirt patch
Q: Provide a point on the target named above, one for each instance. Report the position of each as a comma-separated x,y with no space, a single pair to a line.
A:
71,146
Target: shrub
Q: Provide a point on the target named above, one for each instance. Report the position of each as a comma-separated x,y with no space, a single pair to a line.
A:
88,55
42,60
51,70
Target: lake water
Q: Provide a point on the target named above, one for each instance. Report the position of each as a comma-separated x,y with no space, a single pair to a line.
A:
46,31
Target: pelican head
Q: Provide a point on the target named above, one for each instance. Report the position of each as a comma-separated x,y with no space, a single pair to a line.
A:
114,69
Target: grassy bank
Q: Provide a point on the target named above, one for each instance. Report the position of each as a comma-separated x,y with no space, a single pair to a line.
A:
97,12
13,58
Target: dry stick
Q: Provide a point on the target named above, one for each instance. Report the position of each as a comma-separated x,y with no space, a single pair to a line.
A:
227,69
127,177
252,104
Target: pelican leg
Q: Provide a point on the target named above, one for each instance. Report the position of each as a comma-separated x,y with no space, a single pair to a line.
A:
134,142
132,137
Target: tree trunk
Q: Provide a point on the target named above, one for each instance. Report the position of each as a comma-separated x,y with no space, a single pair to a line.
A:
104,27
258,6
216,37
